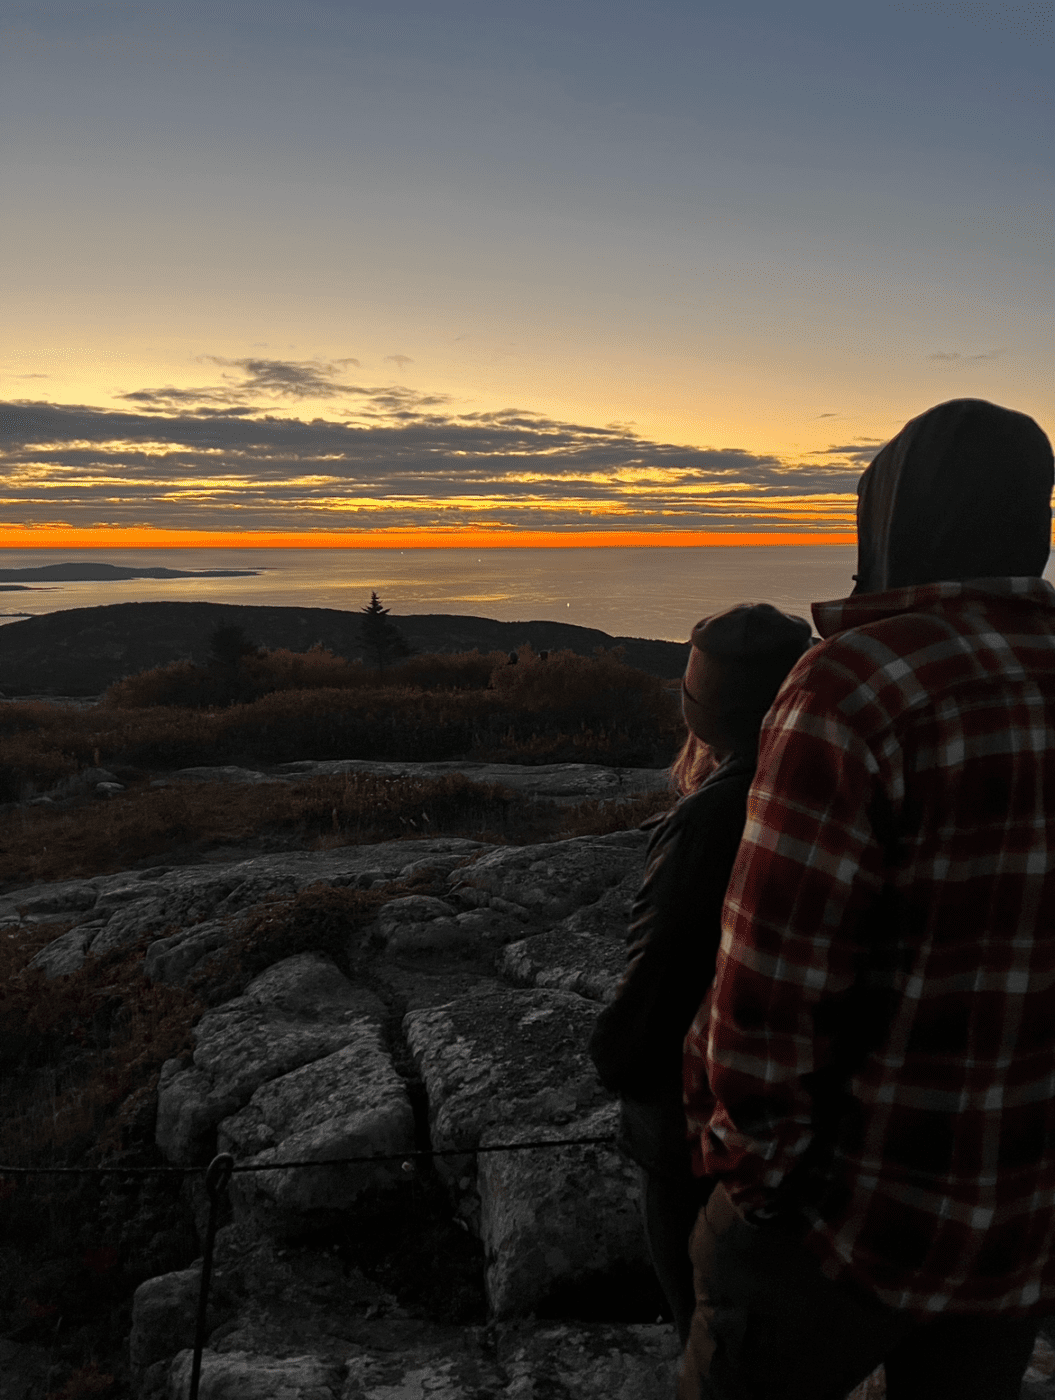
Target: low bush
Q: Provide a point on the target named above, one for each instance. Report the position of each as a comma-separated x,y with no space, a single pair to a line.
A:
185,683
568,708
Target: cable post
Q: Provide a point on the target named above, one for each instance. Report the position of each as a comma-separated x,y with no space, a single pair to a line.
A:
217,1179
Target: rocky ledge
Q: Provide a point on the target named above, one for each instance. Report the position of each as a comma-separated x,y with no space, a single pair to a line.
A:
468,1036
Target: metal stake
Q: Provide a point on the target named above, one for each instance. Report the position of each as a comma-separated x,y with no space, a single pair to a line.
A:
216,1180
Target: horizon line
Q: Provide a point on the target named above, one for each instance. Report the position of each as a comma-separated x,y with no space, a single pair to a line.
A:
132,537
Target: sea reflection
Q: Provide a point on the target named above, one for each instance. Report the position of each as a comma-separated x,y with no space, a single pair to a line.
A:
641,592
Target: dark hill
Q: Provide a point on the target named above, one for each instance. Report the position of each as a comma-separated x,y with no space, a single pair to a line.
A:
81,651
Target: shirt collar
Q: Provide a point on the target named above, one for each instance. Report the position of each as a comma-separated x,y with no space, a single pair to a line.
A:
863,608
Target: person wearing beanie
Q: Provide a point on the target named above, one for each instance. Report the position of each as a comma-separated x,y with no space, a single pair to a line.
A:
737,663
870,1077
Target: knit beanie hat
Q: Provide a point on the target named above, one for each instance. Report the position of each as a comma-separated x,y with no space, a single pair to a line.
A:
750,648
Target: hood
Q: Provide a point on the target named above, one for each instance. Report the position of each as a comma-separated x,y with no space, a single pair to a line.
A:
963,491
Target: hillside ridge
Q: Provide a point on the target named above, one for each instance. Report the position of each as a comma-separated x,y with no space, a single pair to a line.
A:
82,651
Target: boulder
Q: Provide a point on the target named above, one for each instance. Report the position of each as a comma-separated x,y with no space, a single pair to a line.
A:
238,1375
164,1316
66,953
227,773
174,959
435,1368
348,1104
422,924
61,897
581,1361
560,782
499,1066
551,1216
569,962
119,909
299,1010
503,1056
530,1361
550,880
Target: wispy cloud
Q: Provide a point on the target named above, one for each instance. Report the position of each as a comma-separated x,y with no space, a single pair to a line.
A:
401,360
184,458
857,454
249,385
254,379
947,357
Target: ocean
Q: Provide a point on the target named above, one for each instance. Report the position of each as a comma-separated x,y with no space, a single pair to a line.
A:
640,592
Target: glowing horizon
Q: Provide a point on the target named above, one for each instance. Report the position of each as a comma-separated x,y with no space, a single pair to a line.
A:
58,537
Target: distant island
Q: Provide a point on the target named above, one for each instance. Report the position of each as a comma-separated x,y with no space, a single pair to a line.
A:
100,573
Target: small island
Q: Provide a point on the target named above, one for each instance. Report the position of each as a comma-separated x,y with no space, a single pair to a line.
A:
101,573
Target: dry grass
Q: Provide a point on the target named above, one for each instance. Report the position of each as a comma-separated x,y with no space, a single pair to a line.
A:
147,826
80,1054
567,709
142,824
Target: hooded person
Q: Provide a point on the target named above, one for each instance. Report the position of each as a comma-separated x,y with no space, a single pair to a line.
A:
736,665
869,1079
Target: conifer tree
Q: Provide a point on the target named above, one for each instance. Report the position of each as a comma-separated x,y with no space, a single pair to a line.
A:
227,645
380,638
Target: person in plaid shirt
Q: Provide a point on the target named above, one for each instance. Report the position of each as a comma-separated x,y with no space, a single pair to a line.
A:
872,1074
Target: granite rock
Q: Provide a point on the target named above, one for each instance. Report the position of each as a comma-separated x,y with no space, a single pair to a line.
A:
114,911
557,1215
577,1361
511,1066
66,953
550,880
568,962
300,1010
348,1104
164,1316
238,1375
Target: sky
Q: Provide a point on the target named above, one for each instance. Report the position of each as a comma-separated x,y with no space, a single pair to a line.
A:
517,271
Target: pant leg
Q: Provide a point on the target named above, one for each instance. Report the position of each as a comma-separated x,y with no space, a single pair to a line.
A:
669,1209
769,1325
962,1358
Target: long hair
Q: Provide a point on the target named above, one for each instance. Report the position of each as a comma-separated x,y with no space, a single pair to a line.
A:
693,765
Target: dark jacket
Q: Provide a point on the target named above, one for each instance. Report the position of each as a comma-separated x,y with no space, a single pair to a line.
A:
674,933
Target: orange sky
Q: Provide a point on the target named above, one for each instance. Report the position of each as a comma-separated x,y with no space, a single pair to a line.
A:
60,537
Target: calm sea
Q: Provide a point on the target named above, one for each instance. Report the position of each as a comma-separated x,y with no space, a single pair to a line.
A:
644,592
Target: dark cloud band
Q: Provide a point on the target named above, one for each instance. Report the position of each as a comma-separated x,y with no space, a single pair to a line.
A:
218,457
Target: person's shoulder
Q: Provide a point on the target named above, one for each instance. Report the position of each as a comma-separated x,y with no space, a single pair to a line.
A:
725,788
868,655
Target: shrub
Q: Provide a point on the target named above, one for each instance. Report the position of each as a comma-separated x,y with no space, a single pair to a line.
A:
566,709
185,684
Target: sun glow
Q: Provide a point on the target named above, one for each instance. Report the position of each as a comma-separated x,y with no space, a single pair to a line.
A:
131,537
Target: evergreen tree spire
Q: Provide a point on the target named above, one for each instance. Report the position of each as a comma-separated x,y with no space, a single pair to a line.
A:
380,639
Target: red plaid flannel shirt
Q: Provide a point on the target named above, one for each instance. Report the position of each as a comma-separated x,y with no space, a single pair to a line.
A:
876,1056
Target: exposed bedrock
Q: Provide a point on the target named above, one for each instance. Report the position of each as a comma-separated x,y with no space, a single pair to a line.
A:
190,906
266,1061
509,1066
500,963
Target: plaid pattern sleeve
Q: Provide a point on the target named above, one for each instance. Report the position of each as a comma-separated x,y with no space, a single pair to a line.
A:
878,1049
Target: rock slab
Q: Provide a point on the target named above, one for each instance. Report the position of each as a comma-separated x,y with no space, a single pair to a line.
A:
510,1066
300,1010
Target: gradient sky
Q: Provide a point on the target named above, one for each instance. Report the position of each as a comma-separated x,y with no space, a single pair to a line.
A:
586,266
